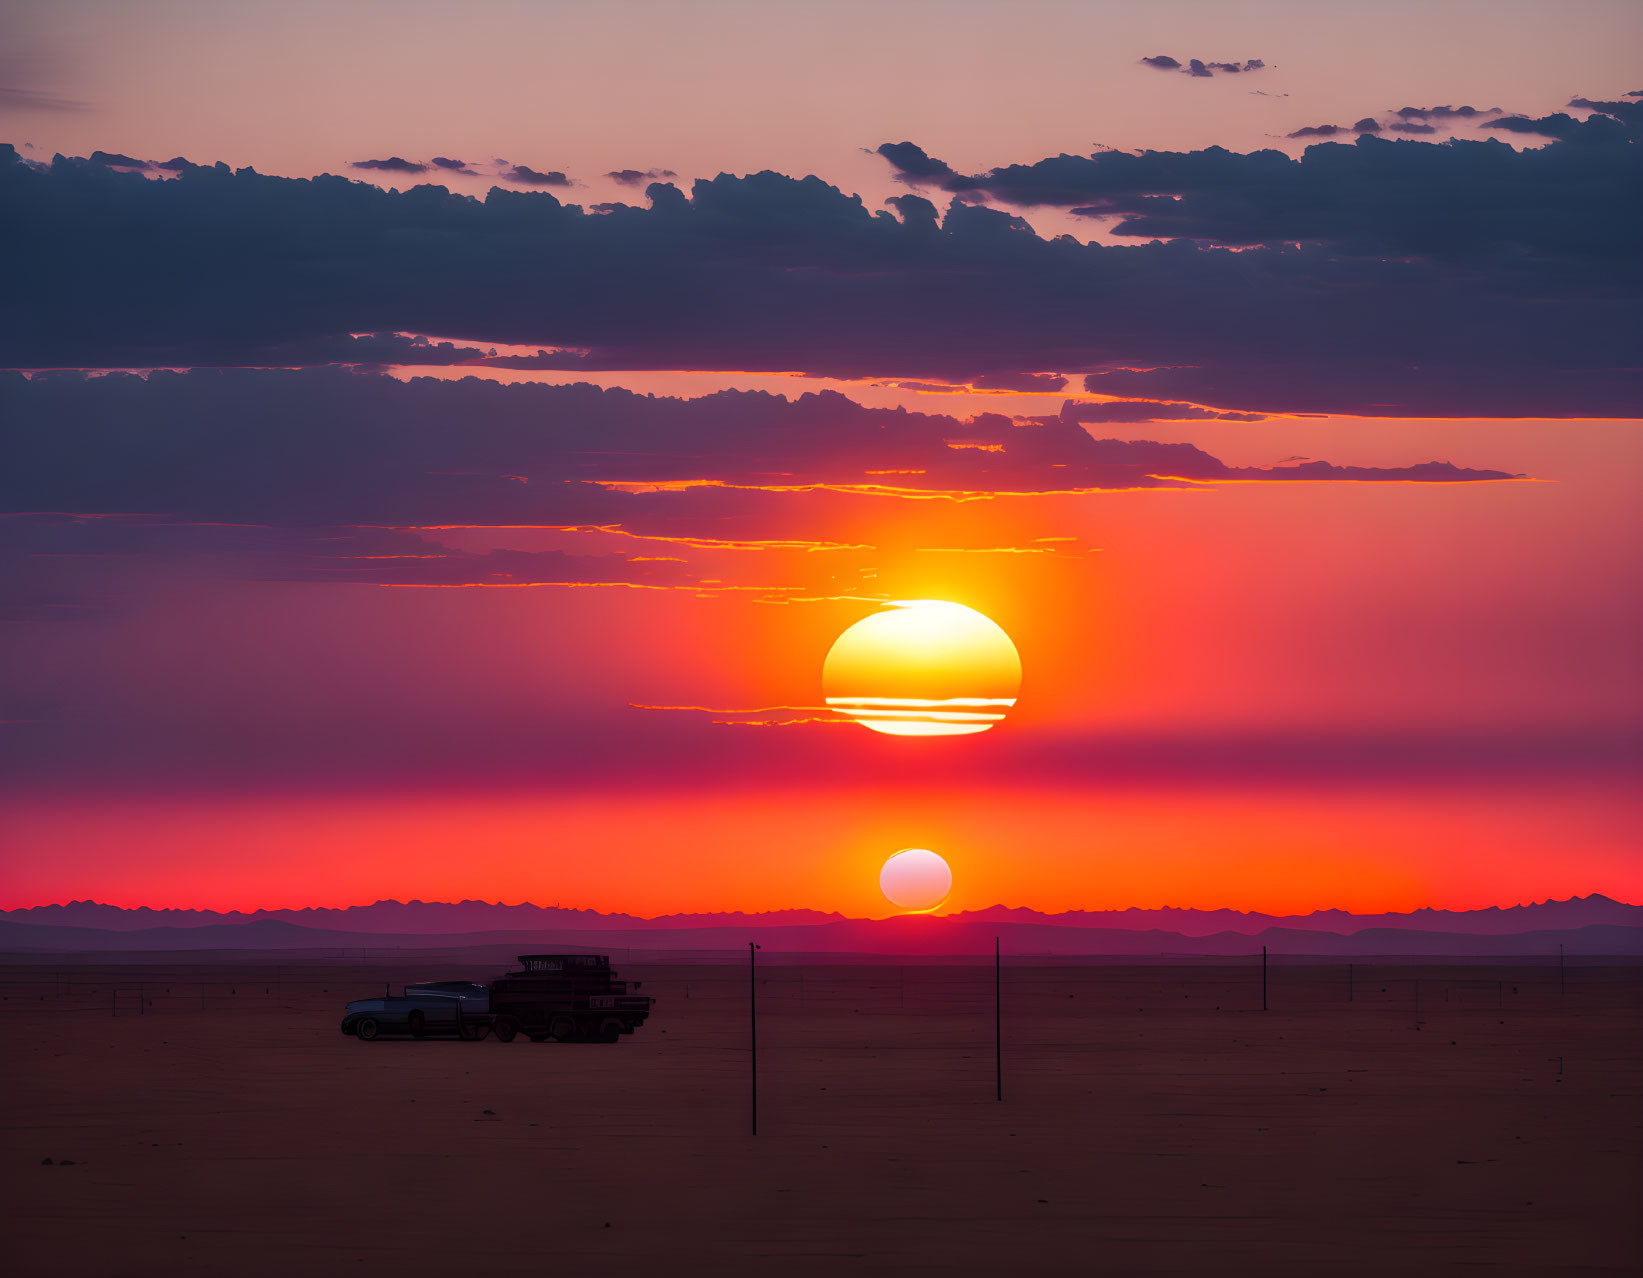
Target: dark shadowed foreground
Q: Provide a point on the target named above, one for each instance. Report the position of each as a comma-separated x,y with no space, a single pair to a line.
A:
212,1120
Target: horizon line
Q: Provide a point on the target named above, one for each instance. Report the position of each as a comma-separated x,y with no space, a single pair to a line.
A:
835,914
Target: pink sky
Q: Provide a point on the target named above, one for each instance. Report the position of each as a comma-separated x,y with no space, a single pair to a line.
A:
702,88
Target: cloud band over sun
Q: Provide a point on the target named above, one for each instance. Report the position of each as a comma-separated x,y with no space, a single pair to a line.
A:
330,476
437,452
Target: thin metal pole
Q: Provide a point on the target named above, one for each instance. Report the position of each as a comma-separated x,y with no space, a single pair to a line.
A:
753,1034
1263,978
998,1021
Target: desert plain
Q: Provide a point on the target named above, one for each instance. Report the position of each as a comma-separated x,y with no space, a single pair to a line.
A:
203,1115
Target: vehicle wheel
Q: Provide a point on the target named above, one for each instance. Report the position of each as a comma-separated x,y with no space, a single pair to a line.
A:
562,1028
611,1030
417,1024
505,1028
367,1029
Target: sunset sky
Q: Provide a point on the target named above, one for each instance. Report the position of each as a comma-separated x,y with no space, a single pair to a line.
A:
474,522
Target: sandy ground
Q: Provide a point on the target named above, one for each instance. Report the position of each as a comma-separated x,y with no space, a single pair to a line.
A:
1155,1120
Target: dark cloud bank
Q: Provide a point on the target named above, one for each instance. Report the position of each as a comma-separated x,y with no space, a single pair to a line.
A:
1458,201
1385,278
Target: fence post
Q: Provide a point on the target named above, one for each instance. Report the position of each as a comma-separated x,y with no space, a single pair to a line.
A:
753,1034
998,1020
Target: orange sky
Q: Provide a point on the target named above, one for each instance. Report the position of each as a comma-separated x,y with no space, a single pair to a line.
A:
1179,656
1088,846
1268,695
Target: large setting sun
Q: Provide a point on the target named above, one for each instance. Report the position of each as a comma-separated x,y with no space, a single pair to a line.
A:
916,880
923,668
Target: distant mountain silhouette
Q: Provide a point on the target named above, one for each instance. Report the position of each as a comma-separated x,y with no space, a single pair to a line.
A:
1577,911
430,918
1607,927
425,917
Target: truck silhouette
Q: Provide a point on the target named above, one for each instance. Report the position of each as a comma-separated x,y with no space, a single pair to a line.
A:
566,997
570,998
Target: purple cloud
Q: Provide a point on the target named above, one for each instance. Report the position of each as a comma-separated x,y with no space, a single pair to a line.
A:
1200,69
528,176
636,177
1444,112
393,164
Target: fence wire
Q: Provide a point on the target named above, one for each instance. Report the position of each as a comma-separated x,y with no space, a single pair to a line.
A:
923,989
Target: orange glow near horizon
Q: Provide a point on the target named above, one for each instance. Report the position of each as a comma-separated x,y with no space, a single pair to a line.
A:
450,744
1283,851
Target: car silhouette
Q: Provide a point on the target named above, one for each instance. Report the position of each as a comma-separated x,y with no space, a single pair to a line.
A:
432,1009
